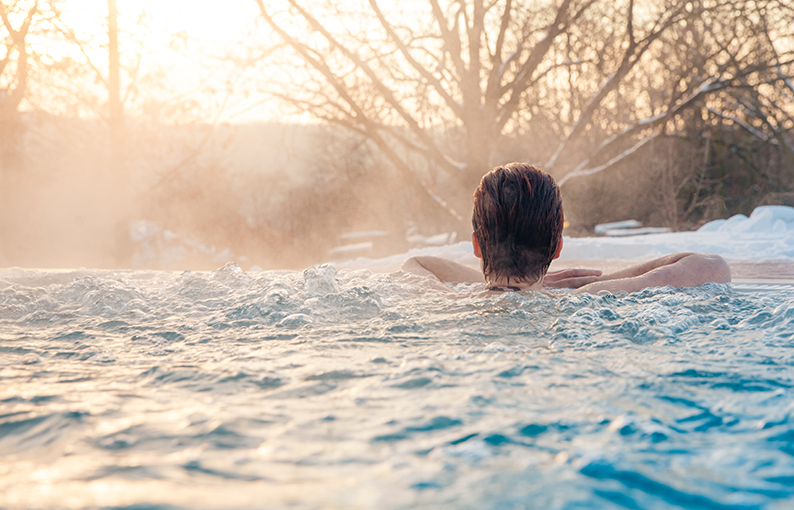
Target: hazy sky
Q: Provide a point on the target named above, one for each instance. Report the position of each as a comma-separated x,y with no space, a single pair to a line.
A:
209,21
190,41
186,40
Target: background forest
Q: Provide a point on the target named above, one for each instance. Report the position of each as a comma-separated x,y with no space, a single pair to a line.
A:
128,141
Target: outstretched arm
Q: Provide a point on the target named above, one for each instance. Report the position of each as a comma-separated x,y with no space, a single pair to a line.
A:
449,271
443,269
679,270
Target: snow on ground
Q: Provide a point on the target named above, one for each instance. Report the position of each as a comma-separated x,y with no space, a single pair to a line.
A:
767,235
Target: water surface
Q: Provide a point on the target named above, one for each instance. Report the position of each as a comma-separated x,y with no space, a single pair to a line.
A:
227,389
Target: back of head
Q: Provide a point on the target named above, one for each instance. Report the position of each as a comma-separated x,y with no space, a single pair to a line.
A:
518,222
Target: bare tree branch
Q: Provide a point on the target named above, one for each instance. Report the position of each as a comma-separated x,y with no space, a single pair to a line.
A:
440,158
12,100
370,129
631,57
750,129
6,58
422,70
539,51
654,121
612,162
450,38
72,37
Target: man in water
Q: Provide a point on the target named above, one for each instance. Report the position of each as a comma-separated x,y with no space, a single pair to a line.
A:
518,220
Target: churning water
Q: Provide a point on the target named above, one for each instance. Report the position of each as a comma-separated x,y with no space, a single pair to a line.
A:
288,390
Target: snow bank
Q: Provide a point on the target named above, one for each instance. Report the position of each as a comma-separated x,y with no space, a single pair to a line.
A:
772,219
767,235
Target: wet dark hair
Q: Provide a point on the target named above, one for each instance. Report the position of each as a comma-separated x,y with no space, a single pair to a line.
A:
518,222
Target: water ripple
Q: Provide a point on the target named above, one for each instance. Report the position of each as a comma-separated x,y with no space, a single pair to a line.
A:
134,389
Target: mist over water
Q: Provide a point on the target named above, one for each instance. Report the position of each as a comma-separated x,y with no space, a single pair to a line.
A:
263,195
229,389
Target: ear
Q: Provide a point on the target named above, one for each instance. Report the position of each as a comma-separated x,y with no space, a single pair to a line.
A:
559,249
476,245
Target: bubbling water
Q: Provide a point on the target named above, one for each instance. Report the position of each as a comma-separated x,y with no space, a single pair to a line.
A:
350,389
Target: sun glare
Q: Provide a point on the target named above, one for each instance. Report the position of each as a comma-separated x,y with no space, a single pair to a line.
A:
188,44
201,19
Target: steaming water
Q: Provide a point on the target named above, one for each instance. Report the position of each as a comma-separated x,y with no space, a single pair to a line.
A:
284,390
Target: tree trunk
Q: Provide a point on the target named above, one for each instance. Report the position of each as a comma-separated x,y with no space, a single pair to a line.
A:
120,179
9,163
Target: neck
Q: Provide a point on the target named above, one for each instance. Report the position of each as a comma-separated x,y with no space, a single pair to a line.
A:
504,282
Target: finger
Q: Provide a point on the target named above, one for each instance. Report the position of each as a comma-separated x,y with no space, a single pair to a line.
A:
582,272
572,272
572,283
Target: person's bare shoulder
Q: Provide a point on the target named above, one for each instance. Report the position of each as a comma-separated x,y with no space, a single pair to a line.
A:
444,269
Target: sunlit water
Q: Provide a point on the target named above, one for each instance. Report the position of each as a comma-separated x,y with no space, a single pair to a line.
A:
289,390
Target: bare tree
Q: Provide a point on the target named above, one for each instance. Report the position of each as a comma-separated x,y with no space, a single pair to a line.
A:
114,84
446,92
14,72
17,19
581,84
704,60
123,243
